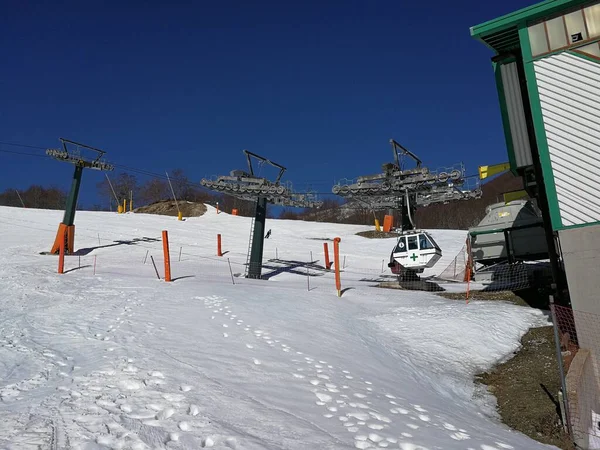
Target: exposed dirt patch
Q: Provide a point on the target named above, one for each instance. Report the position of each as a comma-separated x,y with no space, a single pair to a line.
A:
169,208
411,285
524,297
526,387
376,234
506,296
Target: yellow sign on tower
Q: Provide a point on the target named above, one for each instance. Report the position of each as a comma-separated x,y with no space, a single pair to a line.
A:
488,171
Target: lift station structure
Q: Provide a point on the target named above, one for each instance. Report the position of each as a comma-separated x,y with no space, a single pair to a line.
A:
251,187
545,60
401,188
71,153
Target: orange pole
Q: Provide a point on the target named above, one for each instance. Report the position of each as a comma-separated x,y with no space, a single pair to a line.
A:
468,265
165,237
336,259
60,234
61,254
326,250
219,252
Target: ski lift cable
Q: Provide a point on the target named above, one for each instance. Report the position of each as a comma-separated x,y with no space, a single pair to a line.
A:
149,173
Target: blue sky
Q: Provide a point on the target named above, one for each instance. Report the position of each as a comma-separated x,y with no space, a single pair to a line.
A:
319,87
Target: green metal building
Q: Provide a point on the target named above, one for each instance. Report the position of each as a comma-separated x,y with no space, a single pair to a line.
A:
551,51
547,69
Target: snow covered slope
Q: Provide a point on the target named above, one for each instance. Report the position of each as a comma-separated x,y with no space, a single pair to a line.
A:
120,359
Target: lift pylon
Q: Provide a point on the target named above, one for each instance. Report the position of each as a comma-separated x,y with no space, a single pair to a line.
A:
248,186
71,153
404,188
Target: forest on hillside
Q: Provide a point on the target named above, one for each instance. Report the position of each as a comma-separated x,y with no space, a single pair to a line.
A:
454,215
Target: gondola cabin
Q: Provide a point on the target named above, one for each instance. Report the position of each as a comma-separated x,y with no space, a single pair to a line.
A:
414,251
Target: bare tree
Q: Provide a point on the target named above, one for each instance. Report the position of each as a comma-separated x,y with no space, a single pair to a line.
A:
181,185
154,190
123,184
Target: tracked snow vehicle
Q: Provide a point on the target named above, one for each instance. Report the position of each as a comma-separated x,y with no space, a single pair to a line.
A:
511,232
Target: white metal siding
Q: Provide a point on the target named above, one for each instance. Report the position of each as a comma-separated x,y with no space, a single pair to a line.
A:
516,114
569,88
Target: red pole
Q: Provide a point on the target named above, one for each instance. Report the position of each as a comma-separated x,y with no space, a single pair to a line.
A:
61,254
219,252
165,237
468,282
336,259
326,250
468,268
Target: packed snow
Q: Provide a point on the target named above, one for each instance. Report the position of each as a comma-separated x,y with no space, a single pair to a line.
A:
107,356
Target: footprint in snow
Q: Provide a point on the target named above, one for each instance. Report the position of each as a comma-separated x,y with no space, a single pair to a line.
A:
460,436
207,443
165,414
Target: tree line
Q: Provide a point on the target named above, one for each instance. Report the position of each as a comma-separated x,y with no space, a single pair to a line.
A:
152,190
122,186
455,215
157,189
35,196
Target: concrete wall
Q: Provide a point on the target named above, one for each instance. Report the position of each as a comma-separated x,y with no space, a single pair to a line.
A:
581,255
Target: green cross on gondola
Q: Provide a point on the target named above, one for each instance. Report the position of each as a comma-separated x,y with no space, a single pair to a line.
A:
413,257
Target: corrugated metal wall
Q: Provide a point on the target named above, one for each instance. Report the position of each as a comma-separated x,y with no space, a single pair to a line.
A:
516,114
569,88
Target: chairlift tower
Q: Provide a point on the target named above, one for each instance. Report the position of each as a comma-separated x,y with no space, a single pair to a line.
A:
71,153
248,186
401,188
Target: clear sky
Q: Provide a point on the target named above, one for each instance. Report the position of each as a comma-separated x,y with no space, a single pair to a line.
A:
317,86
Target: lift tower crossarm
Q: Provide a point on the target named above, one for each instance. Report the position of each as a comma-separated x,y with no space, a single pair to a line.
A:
405,151
263,159
67,141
